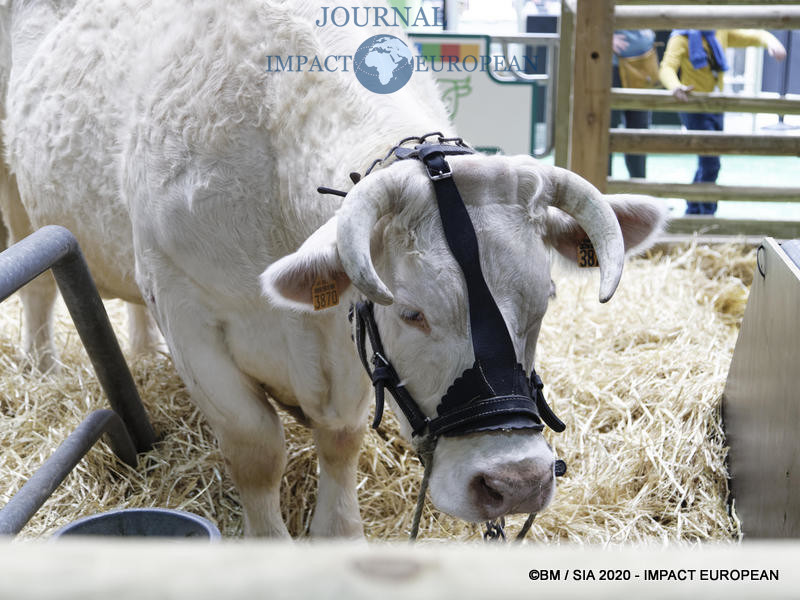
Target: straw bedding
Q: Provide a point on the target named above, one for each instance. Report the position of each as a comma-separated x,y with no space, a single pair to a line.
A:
638,382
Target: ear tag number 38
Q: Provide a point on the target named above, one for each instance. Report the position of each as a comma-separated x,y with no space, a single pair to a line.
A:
324,293
586,255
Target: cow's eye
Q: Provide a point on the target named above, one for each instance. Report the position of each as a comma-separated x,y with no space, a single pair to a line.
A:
415,318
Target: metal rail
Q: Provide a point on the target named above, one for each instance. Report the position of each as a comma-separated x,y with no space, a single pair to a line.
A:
54,247
128,426
24,504
549,78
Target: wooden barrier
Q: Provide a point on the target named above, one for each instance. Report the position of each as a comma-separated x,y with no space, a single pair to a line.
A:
640,141
591,109
583,99
662,100
704,192
694,2
760,400
563,116
753,228
130,570
707,17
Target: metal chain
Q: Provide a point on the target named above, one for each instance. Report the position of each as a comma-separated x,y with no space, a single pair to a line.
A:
417,140
495,530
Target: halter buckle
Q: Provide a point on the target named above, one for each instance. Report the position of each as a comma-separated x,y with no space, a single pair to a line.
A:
438,176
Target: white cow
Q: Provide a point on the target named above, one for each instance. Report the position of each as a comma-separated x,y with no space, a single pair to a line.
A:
154,131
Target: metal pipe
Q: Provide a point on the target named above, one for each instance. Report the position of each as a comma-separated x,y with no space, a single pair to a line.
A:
54,247
551,41
49,476
550,119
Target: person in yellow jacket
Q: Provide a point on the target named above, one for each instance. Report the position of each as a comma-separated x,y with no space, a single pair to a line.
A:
699,57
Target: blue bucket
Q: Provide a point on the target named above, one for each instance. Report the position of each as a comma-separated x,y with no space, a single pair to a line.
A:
143,522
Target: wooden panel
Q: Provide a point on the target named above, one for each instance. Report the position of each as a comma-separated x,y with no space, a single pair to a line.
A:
784,230
564,91
703,191
706,17
662,100
694,2
591,117
638,141
147,570
762,402
666,241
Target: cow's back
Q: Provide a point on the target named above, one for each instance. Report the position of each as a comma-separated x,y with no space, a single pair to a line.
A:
63,115
233,152
169,109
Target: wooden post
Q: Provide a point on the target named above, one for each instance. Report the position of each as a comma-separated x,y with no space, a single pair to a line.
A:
564,92
594,28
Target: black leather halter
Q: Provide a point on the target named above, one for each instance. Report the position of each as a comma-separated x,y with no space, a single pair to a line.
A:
495,393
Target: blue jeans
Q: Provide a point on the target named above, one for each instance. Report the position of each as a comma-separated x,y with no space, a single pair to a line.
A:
707,166
633,119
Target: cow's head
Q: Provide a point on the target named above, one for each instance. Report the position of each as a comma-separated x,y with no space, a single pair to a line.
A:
387,241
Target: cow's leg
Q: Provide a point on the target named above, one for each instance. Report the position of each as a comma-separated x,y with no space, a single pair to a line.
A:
39,295
248,429
336,513
38,298
143,333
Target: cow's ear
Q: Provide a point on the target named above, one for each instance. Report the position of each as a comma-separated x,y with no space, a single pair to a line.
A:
310,279
641,219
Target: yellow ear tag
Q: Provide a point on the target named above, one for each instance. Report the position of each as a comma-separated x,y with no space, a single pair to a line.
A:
586,255
324,293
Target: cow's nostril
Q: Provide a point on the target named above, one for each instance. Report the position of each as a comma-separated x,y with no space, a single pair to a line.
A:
487,496
524,486
490,491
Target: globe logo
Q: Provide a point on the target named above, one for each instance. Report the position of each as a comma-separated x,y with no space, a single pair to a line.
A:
383,64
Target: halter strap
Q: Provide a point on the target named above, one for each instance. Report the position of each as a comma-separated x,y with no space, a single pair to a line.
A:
383,374
494,350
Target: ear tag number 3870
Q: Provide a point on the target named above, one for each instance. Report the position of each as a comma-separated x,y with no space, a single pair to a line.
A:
586,255
324,293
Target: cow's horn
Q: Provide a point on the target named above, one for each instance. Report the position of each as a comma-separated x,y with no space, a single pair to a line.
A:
364,205
585,203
